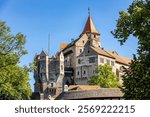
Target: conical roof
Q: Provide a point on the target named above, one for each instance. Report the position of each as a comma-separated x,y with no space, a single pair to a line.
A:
44,53
89,26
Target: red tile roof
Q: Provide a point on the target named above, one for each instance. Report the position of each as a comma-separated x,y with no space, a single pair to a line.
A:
90,27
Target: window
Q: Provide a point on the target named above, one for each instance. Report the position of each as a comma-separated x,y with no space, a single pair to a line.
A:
117,72
61,57
92,60
112,63
80,50
108,62
61,67
65,62
83,42
101,60
42,57
79,61
88,51
78,73
52,84
89,43
84,72
70,61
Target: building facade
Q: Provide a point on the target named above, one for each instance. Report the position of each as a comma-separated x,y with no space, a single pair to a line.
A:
49,75
75,63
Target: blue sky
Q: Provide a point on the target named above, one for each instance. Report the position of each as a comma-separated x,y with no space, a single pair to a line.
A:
63,20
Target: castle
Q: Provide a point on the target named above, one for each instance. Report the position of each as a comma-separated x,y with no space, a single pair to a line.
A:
75,63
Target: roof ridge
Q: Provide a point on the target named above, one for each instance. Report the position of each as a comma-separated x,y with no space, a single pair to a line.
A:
108,53
104,52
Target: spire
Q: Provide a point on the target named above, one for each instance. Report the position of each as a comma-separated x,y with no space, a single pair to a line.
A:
89,11
89,26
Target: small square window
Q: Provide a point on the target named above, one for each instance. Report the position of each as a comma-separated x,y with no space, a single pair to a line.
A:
92,60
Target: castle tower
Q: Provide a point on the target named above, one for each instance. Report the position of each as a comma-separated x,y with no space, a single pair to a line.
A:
41,73
44,66
60,80
43,69
61,70
92,33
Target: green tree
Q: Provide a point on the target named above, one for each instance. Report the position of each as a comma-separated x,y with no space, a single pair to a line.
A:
104,77
136,22
14,80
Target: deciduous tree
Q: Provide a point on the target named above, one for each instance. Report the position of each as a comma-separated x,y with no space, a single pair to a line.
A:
136,22
14,80
104,77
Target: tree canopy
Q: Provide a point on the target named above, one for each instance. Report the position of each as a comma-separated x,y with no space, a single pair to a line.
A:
14,80
136,22
104,77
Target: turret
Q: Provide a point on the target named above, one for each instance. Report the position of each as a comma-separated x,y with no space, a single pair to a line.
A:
92,33
43,66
